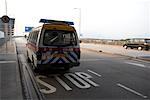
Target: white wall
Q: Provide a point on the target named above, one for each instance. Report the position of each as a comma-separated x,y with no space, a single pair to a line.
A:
1,34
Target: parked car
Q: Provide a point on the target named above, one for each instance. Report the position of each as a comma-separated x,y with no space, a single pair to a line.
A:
138,43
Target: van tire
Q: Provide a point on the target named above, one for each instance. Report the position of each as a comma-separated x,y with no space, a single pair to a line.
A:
28,59
33,65
67,68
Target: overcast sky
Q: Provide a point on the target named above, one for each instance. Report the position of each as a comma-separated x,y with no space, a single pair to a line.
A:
99,18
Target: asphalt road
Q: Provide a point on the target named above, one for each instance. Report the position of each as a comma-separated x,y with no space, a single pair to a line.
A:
99,77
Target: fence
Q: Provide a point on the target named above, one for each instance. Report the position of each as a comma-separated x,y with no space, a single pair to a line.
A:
104,41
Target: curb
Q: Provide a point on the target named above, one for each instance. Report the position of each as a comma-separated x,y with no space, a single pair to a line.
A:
15,50
143,59
29,86
19,82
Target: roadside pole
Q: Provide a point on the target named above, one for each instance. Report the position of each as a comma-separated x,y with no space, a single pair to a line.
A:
10,34
79,21
6,34
5,19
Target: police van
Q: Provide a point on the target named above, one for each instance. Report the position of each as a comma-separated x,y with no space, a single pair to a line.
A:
55,44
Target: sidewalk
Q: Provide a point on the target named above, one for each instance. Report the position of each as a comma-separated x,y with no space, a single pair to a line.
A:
10,84
119,50
11,49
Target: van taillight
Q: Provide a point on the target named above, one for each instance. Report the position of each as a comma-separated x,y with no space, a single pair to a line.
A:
77,49
39,55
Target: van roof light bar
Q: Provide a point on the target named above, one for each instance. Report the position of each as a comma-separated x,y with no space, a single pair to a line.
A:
55,21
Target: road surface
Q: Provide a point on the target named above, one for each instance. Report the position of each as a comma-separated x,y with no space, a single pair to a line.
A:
99,77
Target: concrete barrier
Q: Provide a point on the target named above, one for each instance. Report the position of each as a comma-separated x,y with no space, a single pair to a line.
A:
104,41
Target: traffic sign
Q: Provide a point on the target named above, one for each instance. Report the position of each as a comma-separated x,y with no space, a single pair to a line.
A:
5,19
28,29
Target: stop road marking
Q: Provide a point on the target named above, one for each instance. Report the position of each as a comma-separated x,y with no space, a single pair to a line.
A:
81,80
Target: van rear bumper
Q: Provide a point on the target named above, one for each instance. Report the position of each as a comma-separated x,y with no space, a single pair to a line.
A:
58,65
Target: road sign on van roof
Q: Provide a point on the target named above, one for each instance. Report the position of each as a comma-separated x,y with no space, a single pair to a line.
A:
55,21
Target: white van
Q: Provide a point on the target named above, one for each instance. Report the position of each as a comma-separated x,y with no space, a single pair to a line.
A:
55,44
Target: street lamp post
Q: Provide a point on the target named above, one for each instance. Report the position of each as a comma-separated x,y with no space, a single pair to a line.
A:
6,7
6,26
79,21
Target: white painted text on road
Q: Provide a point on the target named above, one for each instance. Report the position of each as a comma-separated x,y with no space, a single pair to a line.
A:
79,79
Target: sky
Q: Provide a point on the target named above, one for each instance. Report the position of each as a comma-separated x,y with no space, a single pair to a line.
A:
103,19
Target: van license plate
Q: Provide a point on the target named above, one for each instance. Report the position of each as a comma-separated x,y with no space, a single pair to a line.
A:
59,55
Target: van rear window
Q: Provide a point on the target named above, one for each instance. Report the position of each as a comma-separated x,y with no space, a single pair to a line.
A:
59,38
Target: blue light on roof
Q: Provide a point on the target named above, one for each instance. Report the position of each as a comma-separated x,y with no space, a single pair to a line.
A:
54,21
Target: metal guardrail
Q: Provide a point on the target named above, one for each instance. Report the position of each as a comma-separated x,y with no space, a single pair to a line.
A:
104,41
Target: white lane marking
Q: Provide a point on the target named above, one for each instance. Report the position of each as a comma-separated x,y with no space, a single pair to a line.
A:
136,64
75,80
86,77
94,73
2,62
63,83
131,90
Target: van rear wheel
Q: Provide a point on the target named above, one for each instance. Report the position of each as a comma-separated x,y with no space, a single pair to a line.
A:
28,59
67,68
35,69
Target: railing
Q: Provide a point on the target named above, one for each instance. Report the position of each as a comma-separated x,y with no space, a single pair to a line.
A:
104,41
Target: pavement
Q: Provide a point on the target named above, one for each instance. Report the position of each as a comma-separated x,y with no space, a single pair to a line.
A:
10,83
118,50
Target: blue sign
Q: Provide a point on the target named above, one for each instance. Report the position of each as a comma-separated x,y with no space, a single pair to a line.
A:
28,29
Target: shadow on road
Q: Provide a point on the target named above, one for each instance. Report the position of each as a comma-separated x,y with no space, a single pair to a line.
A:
51,71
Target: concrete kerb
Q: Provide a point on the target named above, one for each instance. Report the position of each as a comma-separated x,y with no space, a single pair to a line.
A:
18,73
24,81
15,50
143,59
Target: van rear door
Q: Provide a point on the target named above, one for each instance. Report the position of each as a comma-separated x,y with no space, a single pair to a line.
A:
62,47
